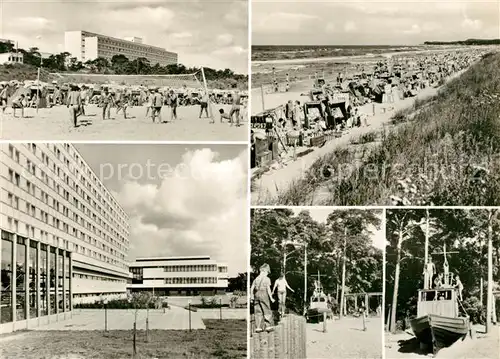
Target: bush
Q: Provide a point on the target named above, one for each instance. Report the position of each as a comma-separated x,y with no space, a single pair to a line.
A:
113,304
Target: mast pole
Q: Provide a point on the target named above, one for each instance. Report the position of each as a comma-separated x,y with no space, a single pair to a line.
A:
426,258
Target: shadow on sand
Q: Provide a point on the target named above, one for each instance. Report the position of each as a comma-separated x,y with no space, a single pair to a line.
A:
411,346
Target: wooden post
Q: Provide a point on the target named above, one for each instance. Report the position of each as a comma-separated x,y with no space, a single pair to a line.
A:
210,113
324,322
342,295
38,101
220,310
189,308
489,301
134,340
481,298
147,329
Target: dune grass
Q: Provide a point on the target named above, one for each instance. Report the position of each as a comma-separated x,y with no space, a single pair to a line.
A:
447,155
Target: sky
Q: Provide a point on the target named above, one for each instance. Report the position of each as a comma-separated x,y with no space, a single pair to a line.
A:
321,214
182,200
212,33
368,22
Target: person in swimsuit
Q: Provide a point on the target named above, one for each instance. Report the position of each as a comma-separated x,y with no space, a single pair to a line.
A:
282,285
204,104
235,110
173,100
262,296
18,103
74,104
157,105
3,97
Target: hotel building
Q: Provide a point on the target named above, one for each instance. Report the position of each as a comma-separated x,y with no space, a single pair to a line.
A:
64,236
177,276
87,46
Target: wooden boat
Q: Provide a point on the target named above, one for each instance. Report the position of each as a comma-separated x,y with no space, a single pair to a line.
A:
438,323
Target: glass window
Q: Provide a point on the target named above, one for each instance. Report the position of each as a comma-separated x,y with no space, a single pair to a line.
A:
60,281
43,279
52,273
33,285
21,279
6,294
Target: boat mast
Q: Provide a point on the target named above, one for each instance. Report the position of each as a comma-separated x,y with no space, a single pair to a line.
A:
426,258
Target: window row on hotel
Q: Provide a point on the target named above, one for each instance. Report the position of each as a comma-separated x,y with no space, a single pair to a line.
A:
37,213
191,280
117,215
15,178
35,276
100,278
185,268
43,236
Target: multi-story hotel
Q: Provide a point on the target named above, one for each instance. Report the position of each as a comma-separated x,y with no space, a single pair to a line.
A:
87,46
64,236
173,276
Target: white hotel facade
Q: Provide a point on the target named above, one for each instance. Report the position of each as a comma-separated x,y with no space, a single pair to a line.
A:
64,236
85,46
179,276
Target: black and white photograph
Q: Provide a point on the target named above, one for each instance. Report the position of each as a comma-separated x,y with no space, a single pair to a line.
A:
123,251
124,70
317,283
358,103
442,294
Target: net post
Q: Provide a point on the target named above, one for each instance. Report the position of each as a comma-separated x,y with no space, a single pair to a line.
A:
210,113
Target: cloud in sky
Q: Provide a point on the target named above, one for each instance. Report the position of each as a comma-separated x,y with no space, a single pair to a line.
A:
202,211
401,22
198,30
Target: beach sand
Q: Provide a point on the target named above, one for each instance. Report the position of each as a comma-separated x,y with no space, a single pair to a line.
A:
345,339
273,181
54,124
483,347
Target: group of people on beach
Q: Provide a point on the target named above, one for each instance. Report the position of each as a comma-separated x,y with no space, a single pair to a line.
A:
77,98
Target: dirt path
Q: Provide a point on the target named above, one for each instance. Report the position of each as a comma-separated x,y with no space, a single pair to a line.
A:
54,124
345,339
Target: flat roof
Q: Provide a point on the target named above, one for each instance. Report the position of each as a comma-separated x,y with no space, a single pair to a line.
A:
181,258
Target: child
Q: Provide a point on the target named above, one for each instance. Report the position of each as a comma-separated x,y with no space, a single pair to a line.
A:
262,296
224,116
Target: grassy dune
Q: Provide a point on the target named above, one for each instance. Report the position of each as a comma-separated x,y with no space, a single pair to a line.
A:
443,151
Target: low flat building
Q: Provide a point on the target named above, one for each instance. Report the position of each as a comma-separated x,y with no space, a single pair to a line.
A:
85,46
179,276
11,58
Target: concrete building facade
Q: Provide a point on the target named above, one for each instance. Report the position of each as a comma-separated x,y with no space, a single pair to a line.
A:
11,58
53,205
87,46
178,276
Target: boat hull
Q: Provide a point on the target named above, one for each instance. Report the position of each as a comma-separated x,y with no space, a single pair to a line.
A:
438,332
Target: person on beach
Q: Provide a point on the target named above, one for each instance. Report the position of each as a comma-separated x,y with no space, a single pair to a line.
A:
260,292
282,285
74,104
18,102
173,102
204,104
224,116
107,101
3,97
235,109
157,104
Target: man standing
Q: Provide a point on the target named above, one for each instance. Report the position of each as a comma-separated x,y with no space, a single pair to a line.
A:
235,109
106,100
260,292
459,286
282,285
204,104
429,271
74,104
174,102
157,105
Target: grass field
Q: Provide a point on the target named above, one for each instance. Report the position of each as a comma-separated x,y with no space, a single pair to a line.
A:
444,151
221,339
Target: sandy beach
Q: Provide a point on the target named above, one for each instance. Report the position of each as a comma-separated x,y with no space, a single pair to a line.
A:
273,181
54,124
345,339
482,347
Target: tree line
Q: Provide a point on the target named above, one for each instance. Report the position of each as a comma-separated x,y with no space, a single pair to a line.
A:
466,42
464,232
345,231
119,65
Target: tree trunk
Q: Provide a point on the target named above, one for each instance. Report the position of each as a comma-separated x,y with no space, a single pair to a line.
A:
342,295
392,326
489,295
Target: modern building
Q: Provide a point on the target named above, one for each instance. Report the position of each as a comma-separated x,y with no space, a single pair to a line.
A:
57,219
87,46
178,276
11,58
